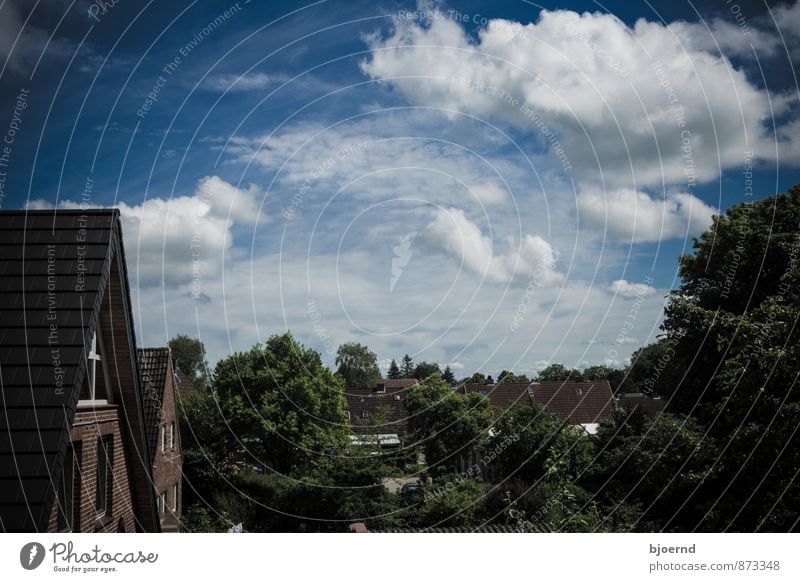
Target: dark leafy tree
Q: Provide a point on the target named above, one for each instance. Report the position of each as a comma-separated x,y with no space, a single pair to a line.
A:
357,365
189,355
394,371
448,376
509,377
559,372
407,367
425,370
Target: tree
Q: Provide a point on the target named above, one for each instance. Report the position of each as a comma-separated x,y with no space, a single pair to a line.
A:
476,378
733,328
651,370
559,373
293,407
407,367
654,464
508,377
446,424
358,366
394,371
189,355
426,370
448,376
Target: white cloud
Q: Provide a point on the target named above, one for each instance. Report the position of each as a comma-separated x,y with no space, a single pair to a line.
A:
170,241
456,366
244,82
631,290
456,234
638,217
489,194
620,100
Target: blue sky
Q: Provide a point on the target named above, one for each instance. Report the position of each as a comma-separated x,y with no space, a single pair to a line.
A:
492,185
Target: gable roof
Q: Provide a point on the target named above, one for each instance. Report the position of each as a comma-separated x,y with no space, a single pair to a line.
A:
397,383
579,402
390,403
153,369
57,267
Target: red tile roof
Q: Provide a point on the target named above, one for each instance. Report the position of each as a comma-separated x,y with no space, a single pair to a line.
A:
580,402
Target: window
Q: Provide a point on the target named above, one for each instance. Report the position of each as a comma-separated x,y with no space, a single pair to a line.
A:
66,492
172,435
381,388
175,497
579,391
95,387
163,439
105,446
365,414
348,415
484,393
161,502
530,390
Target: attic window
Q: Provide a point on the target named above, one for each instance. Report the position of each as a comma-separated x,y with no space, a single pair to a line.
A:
484,392
530,390
348,414
365,414
381,388
95,387
579,391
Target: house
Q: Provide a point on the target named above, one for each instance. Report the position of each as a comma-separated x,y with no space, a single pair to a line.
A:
647,405
159,383
377,415
583,403
73,446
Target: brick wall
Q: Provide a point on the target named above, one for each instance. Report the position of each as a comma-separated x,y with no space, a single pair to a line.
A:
89,426
167,465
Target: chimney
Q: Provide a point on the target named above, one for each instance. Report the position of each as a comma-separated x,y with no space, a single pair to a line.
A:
489,380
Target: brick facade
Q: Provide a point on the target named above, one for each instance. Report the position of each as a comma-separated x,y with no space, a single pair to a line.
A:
167,463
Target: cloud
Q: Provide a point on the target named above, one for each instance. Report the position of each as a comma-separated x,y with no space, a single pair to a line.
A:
610,101
638,217
631,290
456,365
172,241
457,235
490,194
239,83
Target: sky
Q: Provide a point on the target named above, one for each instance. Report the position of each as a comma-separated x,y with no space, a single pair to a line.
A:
486,185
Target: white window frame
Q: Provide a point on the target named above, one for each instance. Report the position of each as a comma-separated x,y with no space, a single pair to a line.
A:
91,372
174,497
171,435
162,502
163,430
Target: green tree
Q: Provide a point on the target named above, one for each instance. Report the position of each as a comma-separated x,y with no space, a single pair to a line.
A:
559,373
444,423
189,355
476,378
508,377
448,376
654,464
407,367
394,371
294,407
732,325
426,370
652,370
358,366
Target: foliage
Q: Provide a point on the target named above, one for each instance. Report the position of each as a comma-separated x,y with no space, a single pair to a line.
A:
358,366
509,377
425,370
407,367
444,423
189,355
394,371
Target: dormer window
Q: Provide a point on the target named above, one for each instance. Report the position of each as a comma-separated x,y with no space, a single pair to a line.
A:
579,391
365,414
381,388
484,392
95,386
530,390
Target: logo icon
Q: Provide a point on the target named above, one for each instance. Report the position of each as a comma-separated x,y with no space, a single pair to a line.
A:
402,254
31,555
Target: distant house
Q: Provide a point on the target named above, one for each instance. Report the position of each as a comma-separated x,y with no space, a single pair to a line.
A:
73,446
159,383
377,415
582,403
636,401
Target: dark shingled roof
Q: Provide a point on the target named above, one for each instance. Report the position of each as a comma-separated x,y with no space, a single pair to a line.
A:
641,402
580,402
54,271
182,382
153,366
375,403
